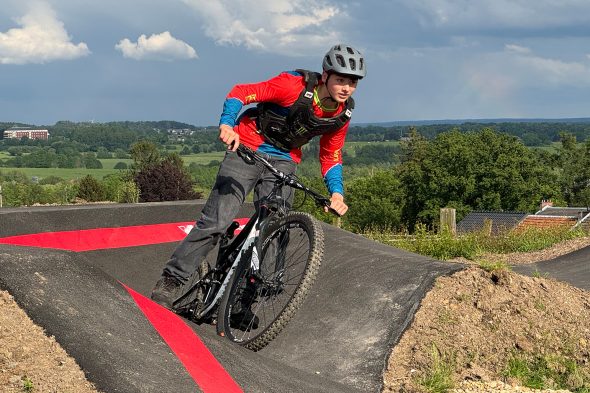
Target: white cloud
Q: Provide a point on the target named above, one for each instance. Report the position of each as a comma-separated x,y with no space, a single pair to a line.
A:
502,74
161,46
41,38
291,27
517,49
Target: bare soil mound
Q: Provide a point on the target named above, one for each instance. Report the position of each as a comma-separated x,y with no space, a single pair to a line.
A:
474,322
32,362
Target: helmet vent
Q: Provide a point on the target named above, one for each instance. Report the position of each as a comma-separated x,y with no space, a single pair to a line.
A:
345,60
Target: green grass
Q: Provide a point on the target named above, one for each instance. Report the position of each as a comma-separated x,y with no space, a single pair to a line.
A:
203,158
350,146
542,371
108,166
494,266
439,378
109,163
28,384
553,147
446,246
200,158
64,173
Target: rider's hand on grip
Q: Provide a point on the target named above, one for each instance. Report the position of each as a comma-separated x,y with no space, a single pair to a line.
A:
228,136
337,204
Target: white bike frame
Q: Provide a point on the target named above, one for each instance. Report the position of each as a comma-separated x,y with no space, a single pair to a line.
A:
252,237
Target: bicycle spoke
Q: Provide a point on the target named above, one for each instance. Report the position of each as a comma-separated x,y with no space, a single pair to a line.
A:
263,301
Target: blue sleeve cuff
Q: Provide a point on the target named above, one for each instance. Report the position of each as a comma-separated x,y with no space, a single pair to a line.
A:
333,180
231,109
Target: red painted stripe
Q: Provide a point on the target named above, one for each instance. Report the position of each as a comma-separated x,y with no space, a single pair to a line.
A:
103,238
188,347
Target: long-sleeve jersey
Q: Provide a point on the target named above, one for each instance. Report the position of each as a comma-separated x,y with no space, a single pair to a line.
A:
283,90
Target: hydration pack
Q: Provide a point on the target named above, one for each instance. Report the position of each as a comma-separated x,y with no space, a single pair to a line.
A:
293,128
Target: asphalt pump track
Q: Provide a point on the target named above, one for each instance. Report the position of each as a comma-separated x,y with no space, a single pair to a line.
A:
84,273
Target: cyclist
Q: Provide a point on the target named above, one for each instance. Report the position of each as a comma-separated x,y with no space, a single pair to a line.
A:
293,107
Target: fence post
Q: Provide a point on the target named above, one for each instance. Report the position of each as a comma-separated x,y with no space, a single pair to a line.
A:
487,226
448,220
0,195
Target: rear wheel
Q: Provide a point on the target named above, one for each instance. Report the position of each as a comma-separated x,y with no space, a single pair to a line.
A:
261,300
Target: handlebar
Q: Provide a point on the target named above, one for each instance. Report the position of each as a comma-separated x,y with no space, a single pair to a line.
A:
250,156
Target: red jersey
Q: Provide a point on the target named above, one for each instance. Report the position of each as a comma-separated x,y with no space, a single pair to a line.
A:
284,90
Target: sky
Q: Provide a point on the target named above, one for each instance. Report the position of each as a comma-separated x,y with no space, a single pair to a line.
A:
140,60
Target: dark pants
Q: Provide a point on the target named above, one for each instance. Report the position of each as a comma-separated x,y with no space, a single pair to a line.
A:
235,180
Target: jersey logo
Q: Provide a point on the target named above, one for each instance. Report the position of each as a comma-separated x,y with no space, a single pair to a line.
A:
250,98
308,94
337,155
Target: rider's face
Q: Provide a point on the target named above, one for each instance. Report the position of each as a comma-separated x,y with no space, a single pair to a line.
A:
340,87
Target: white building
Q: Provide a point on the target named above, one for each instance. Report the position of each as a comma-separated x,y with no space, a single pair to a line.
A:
19,132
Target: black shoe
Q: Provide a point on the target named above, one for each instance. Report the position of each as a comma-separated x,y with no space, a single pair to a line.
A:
165,291
244,320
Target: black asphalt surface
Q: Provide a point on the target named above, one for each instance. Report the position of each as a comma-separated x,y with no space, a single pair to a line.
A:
573,268
364,298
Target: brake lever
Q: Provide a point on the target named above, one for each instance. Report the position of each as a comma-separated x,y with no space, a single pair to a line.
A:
324,202
243,153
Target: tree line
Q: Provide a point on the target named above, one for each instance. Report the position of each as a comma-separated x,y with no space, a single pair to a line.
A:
395,186
478,170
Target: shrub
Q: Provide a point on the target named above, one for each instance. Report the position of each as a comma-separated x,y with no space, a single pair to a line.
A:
165,180
446,246
91,189
51,180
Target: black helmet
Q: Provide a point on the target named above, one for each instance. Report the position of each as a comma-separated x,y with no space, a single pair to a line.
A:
346,60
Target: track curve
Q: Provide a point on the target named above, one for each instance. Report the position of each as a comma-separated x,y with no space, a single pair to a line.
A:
364,298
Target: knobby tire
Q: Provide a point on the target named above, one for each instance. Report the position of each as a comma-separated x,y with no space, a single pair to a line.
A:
278,288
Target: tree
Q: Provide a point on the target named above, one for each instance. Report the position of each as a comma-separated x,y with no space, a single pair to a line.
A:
102,153
165,180
91,162
120,165
375,202
185,151
90,189
144,154
411,174
482,170
575,174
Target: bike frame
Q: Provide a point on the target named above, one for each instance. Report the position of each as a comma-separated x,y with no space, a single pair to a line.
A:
231,254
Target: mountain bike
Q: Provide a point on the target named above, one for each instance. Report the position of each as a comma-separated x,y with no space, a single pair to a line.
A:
263,274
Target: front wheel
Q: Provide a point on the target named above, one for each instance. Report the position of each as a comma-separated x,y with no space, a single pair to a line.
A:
262,298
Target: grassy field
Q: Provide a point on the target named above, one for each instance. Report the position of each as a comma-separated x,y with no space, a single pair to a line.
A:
203,158
349,146
64,173
107,166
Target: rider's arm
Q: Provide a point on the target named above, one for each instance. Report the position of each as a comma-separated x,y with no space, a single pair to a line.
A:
283,90
331,159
